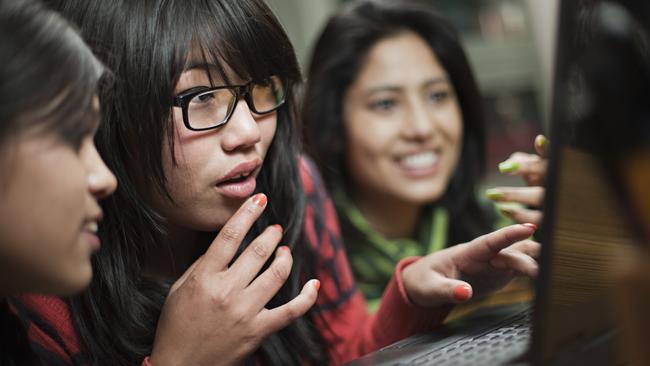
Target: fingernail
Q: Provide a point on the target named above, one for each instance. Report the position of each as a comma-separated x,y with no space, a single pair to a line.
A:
541,141
316,284
506,211
494,194
462,293
508,167
284,248
279,227
530,225
260,199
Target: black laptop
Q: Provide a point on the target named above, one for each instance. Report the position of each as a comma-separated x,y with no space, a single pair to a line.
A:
587,232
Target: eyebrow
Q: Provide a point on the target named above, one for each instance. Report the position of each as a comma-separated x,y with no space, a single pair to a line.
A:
390,88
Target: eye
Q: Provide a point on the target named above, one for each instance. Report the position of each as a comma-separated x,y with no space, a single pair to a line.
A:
439,96
382,105
203,98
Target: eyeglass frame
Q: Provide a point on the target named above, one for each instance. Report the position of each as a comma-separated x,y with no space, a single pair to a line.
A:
240,91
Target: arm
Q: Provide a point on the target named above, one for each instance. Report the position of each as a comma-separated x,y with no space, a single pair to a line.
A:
341,312
421,291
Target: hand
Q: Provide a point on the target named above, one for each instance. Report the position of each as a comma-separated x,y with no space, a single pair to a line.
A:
532,168
214,314
477,268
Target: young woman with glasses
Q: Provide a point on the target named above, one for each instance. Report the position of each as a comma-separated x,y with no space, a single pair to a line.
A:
52,175
223,246
393,119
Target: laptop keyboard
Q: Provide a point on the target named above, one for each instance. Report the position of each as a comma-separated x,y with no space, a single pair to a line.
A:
505,342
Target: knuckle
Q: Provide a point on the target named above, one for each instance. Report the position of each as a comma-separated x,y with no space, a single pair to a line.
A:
260,250
229,233
292,313
280,273
221,299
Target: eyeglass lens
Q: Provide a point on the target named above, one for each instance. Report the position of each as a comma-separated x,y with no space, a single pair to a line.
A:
214,107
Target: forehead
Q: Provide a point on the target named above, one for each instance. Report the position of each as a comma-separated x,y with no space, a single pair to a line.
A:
203,67
401,59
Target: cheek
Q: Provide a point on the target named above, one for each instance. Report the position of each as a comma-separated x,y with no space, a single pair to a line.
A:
452,128
268,127
369,136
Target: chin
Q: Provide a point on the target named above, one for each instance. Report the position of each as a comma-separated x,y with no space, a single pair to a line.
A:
76,283
425,193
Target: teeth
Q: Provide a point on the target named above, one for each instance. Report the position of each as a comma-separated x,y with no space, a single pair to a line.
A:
92,227
420,161
240,176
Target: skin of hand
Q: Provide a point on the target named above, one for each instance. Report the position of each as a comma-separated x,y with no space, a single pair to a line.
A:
532,168
487,263
215,314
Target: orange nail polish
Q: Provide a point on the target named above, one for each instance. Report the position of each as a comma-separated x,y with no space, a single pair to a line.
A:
462,293
260,199
317,284
530,225
279,227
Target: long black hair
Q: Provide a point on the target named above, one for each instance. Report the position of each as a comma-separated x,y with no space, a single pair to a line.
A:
145,44
48,78
337,58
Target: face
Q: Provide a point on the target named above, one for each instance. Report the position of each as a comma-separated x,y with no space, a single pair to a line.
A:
215,170
49,213
402,122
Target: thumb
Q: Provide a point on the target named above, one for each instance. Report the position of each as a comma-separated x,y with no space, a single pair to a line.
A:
455,291
449,291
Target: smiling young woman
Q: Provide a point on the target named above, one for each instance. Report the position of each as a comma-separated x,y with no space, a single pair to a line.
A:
52,176
393,118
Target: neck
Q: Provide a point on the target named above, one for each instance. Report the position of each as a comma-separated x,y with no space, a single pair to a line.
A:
393,218
179,250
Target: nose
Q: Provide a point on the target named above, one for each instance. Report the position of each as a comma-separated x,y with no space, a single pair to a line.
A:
242,130
418,122
101,181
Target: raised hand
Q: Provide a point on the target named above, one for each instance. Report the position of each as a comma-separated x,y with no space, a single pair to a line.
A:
215,314
532,168
484,265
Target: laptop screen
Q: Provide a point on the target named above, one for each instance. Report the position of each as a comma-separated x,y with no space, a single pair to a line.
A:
589,229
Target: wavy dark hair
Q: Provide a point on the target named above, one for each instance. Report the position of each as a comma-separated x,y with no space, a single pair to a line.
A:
337,58
48,79
145,44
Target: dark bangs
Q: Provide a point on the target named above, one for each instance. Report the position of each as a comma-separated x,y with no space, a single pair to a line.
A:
246,36
48,76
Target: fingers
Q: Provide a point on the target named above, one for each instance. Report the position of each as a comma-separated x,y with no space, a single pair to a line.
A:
541,146
249,263
483,248
264,287
519,257
523,215
529,247
529,196
225,245
278,318
529,166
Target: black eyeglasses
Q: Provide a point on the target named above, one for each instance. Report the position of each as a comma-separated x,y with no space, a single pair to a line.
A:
208,108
